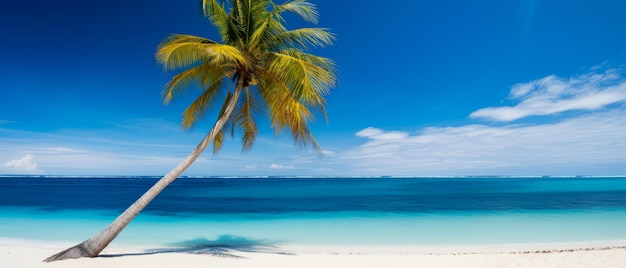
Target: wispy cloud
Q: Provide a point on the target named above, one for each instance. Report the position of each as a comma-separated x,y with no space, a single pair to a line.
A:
150,148
279,167
264,167
582,145
249,167
553,95
63,150
379,134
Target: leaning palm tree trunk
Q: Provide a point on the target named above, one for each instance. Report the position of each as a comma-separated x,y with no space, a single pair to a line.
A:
94,245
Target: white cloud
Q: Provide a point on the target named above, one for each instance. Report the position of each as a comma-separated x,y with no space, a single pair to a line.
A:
249,167
553,95
379,134
369,132
261,169
327,153
64,150
582,145
22,165
114,151
279,167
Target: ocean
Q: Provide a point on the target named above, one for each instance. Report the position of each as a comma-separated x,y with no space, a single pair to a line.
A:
320,211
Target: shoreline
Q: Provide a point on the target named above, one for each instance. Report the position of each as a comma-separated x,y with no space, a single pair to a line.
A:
30,253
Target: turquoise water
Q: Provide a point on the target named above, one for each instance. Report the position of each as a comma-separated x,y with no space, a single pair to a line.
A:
408,211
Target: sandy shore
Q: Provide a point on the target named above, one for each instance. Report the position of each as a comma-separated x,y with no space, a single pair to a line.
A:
18,253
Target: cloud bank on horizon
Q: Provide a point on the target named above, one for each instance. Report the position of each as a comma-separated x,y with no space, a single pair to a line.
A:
581,133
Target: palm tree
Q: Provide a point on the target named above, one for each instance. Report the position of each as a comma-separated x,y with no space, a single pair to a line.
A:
260,67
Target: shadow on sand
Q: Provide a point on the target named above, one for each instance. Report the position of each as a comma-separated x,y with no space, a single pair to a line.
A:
224,246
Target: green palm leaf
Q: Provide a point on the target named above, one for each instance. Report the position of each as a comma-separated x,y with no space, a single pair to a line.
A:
198,108
307,82
305,38
180,51
202,76
244,118
305,9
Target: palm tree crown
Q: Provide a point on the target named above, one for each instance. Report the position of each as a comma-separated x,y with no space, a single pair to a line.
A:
267,64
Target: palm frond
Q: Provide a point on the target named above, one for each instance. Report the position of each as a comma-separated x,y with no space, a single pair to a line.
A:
324,63
218,143
249,15
285,112
212,8
305,38
199,106
225,54
202,75
179,82
303,8
259,33
244,118
220,137
180,50
264,37
217,14
308,82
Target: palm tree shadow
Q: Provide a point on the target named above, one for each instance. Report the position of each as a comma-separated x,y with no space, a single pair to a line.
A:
224,246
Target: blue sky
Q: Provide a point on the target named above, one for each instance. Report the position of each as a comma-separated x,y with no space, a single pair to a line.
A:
426,88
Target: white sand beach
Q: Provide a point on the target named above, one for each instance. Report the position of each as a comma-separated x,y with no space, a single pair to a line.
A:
19,253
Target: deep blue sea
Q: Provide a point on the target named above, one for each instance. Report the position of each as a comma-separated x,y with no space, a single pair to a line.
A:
381,211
